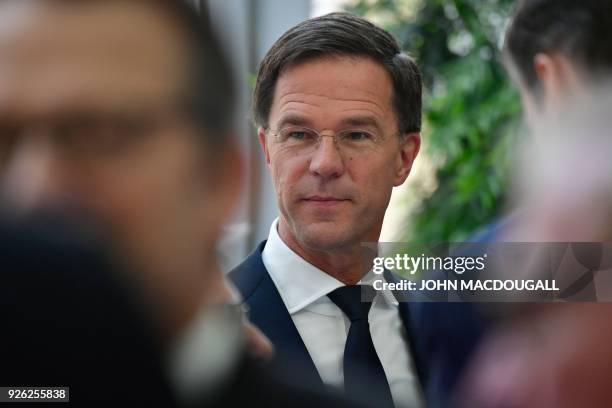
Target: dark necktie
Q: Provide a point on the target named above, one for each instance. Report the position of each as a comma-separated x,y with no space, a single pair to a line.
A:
364,376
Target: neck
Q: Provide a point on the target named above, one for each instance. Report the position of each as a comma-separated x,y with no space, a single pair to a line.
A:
345,263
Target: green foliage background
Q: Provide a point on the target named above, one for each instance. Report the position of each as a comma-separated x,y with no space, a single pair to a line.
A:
471,110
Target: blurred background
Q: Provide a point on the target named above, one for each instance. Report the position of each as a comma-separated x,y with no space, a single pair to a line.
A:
471,112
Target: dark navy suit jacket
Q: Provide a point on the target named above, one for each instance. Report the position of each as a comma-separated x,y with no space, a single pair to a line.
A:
441,335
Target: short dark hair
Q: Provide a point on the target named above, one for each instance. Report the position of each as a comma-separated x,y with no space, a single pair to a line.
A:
578,29
341,34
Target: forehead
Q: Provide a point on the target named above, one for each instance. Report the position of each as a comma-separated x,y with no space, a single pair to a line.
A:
55,56
331,89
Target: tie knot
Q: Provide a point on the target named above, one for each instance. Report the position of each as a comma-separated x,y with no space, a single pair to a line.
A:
354,301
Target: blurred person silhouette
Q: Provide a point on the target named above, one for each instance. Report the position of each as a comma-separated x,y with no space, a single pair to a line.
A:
555,52
556,355
338,110
71,318
117,116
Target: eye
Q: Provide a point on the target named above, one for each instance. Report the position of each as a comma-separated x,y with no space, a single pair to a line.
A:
296,134
102,135
8,131
357,135
9,135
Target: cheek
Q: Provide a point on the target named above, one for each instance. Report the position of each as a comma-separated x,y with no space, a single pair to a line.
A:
374,180
126,197
287,171
144,193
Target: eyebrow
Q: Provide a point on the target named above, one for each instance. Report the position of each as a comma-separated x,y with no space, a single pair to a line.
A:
292,120
361,121
297,120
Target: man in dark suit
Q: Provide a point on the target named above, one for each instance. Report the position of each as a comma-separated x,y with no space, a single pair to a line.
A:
338,110
118,114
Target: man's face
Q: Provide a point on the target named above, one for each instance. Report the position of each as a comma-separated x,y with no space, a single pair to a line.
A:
89,120
331,197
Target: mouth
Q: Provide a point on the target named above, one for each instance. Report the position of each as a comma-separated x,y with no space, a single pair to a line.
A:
324,200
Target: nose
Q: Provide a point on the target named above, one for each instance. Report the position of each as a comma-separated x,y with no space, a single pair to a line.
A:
327,161
34,176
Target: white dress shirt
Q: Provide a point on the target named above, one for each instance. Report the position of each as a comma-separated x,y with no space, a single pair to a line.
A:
324,327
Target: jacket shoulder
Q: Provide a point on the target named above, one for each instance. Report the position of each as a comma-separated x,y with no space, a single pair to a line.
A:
247,276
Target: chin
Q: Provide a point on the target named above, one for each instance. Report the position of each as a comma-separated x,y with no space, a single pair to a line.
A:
325,236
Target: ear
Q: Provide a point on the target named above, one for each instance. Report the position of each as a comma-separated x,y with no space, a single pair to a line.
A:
409,147
556,75
261,135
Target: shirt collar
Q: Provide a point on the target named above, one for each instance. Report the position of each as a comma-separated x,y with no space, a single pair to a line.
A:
299,282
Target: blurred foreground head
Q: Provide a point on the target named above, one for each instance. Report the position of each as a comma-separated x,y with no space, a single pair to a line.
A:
557,49
120,111
558,355
557,52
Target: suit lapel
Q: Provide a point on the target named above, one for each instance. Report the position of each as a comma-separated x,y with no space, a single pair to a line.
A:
268,312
